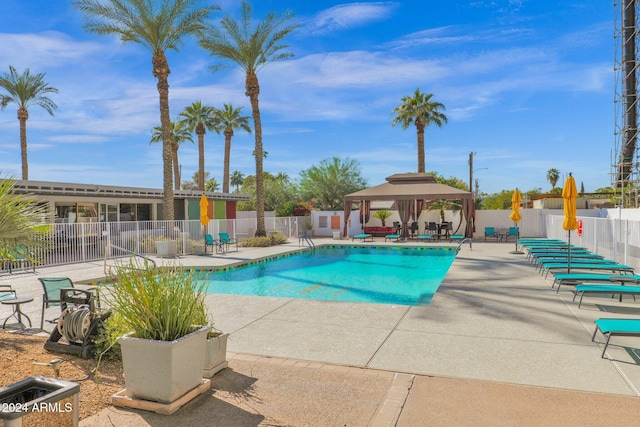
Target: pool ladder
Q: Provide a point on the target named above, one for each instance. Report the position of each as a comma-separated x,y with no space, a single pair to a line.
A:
304,238
465,240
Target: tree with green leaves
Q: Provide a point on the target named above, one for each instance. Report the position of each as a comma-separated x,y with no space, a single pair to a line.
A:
251,49
553,175
25,90
179,133
328,182
199,117
158,26
227,120
277,193
21,228
237,178
422,112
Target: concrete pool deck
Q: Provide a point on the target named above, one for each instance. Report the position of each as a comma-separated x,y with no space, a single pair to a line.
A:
495,345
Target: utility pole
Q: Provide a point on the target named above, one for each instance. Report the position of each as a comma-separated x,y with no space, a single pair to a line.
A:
471,171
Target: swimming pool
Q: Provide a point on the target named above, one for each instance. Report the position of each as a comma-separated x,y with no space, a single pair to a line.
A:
386,275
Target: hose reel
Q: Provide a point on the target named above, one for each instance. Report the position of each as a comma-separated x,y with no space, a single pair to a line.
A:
74,323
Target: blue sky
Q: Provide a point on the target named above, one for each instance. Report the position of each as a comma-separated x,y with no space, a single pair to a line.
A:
528,85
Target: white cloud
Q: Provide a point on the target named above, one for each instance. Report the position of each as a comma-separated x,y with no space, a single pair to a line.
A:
348,16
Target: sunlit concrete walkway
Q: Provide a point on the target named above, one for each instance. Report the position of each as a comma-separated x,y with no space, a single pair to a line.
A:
494,320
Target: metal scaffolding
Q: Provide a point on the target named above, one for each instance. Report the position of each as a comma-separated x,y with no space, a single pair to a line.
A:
625,173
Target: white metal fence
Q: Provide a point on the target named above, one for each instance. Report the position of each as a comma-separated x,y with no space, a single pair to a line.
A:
83,242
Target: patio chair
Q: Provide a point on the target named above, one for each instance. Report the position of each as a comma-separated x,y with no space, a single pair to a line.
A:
513,232
6,292
209,241
51,295
413,229
226,240
432,229
19,257
491,232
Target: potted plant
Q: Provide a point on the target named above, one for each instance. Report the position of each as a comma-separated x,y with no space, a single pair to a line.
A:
166,248
382,215
164,308
215,356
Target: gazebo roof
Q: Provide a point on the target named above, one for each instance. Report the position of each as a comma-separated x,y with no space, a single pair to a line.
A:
410,186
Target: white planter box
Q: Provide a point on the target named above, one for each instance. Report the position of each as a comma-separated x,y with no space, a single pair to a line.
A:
163,371
215,358
167,248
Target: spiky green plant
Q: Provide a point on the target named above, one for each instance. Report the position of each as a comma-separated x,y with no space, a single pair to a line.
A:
164,303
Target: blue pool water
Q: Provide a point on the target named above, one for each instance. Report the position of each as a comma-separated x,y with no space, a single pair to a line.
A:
387,275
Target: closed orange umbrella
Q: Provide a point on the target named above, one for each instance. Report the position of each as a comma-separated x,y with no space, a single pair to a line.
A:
569,194
204,205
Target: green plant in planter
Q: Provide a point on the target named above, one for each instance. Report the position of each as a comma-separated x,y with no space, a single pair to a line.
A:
164,303
382,215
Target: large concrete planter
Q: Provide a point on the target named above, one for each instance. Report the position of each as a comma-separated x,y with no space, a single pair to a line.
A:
167,248
163,371
215,357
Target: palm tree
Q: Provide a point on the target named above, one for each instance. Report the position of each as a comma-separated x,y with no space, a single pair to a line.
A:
237,178
227,120
422,112
25,90
553,175
158,28
199,117
179,132
251,49
212,185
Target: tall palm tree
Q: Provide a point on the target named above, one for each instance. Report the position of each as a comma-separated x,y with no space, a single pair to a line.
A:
237,178
25,90
422,112
251,49
158,26
199,117
553,175
227,120
180,133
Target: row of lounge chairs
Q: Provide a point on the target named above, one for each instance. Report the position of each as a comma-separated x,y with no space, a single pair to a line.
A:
364,237
587,276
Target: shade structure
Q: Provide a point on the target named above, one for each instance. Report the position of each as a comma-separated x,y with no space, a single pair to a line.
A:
414,187
204,208
516,199
569,194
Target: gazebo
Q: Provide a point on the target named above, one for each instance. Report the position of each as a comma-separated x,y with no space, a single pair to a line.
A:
411,192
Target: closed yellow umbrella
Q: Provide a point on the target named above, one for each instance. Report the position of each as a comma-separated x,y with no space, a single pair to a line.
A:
569,194
516,199
515,216
204,207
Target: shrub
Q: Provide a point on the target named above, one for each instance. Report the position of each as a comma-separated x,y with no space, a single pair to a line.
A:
264,241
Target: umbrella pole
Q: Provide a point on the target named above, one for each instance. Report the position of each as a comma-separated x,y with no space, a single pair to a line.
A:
569,254
517,252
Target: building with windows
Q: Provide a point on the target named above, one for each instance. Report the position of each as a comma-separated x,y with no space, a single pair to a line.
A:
75,203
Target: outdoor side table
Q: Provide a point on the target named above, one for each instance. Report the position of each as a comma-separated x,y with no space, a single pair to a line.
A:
17,312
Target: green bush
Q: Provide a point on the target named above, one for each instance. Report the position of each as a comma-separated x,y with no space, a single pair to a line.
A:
263,242
106,342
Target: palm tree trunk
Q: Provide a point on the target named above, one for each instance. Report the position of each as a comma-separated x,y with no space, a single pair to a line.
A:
420,129
176,167
161,73
228,133
252,91
200,131
23,116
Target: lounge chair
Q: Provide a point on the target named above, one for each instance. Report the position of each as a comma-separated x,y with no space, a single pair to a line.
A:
614,268
392,237
588,288
20,257
573,279
424,237
490,232
362,237
616,327
456,238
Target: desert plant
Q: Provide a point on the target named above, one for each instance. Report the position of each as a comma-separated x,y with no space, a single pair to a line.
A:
164,303
264,241
382,215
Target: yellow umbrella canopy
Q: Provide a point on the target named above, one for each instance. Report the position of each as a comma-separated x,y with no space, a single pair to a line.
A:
569,194
204,205
516,199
